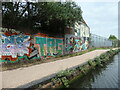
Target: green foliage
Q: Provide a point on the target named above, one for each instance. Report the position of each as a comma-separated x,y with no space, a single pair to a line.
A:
61,77
56,80
65,81
65,73
112,37
115,42
102,56
98,61
48,17
91,63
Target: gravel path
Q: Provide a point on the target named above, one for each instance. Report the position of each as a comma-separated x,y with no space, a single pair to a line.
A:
23,76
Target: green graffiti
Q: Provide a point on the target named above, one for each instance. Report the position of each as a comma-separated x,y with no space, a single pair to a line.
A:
50,46
41,41
59,46
23,57
8,61
2,60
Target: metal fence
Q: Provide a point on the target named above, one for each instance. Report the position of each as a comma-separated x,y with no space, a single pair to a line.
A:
98,41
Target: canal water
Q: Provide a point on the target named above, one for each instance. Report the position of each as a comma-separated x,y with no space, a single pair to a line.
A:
105,77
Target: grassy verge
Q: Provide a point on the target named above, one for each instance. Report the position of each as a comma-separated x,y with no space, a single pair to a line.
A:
63,79
26,63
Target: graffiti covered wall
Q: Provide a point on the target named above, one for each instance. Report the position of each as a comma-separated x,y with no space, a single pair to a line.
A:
79,40
21,47
14,46
48,46
75,44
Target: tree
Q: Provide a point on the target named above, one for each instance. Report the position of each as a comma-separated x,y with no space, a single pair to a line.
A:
17,15
114,40
46,17
112,37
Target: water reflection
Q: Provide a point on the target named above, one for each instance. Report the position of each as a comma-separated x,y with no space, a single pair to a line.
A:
105,77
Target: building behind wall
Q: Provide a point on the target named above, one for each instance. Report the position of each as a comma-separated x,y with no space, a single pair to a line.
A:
77,37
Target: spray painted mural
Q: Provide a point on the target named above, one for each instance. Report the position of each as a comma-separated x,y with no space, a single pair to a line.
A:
75,44
79,40
14,46
48,46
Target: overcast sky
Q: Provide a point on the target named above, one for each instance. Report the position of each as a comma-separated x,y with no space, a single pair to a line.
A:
101,17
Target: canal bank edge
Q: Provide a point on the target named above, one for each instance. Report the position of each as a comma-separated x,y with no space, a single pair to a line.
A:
65,77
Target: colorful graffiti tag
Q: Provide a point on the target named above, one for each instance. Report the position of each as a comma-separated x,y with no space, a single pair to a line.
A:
20,46
75,44
48,47
13,45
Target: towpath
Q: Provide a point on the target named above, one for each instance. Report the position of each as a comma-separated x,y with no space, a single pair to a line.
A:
25,77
